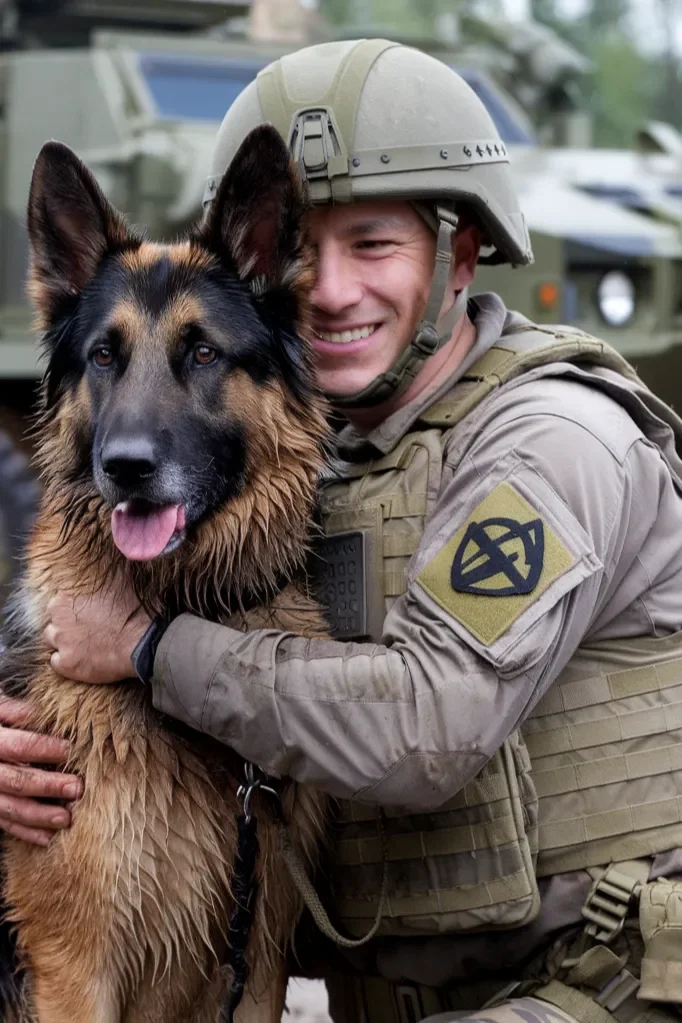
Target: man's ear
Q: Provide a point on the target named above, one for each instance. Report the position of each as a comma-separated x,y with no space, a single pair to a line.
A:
256,217
71,227
466,248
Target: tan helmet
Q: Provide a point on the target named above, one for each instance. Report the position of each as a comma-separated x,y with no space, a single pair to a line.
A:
372,119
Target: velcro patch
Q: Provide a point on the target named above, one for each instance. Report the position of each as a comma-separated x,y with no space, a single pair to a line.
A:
497,564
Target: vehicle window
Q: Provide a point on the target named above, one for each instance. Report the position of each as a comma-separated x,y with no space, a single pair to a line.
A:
195,88
202,88
511,130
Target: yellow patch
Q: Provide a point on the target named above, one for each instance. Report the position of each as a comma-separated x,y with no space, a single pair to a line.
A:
497,564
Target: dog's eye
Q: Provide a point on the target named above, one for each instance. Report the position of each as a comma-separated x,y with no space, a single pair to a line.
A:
103,356
205,355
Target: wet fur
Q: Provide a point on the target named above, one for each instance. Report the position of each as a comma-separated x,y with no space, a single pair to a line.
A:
123,917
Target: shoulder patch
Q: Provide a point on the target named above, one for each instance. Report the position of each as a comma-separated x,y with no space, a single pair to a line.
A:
497,564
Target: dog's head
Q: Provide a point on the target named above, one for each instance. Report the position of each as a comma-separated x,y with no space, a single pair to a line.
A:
179,399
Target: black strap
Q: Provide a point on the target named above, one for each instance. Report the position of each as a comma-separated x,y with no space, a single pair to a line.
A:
244,889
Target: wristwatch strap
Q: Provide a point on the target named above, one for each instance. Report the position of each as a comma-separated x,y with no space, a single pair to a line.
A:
142,657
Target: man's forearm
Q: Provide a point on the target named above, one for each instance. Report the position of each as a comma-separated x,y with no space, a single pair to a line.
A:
356,720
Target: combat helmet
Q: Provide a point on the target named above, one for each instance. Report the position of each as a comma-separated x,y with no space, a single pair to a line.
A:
373,119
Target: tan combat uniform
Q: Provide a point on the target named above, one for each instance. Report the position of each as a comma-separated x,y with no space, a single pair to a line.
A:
514,588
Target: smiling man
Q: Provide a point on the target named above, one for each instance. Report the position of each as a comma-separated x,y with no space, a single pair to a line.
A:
502,552
374,273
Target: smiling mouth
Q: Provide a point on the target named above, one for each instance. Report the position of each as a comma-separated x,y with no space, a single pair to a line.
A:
344,337
143,531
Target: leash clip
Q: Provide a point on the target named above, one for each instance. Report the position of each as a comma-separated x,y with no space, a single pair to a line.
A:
256,780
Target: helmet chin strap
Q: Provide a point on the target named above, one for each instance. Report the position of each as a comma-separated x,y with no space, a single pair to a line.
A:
432,332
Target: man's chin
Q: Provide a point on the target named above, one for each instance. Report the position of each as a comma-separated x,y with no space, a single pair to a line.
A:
346,384
343,389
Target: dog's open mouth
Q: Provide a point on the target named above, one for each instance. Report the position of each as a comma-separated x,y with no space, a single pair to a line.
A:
142,531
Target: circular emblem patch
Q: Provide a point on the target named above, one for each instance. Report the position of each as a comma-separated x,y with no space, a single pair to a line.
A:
499,557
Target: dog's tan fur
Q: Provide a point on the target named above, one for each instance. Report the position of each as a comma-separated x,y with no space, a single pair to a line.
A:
123,917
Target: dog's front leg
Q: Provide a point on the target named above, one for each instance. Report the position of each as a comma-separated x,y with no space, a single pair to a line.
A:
268,1005
57,1000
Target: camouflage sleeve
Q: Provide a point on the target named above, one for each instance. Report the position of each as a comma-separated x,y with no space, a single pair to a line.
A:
535,536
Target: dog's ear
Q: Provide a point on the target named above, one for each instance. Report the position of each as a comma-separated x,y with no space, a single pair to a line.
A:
256,217
71,227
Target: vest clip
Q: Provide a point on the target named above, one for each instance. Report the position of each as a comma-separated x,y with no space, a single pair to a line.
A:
608,904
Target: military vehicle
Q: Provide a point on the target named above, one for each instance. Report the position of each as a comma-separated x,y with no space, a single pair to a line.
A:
642,298
142,108
603,264
547,77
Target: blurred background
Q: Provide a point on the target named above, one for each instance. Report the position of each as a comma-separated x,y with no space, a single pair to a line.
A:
585,93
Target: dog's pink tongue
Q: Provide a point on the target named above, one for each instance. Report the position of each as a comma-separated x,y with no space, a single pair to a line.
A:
142,533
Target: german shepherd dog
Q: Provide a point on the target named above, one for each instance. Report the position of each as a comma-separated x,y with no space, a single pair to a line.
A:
180,440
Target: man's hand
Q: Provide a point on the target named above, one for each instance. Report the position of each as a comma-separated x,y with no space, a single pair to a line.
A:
94,637
21,787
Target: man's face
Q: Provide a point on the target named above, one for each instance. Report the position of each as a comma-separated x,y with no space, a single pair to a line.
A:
374,267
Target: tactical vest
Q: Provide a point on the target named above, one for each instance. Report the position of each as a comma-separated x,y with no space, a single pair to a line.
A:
594,776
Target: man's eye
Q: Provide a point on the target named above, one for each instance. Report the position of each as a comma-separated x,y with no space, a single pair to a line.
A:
204,355
102,356
374,244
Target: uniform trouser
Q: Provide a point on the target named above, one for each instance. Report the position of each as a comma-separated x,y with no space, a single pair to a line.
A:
584,977
529,1009
586,998
519,1010
536,1010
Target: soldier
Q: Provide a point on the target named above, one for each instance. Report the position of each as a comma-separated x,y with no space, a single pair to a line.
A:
503,551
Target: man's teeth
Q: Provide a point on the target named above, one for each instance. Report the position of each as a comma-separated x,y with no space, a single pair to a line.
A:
347,335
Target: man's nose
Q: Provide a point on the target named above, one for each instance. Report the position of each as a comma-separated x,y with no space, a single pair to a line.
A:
129,460
338,283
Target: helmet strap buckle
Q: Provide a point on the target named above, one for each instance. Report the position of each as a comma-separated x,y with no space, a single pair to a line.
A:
426,340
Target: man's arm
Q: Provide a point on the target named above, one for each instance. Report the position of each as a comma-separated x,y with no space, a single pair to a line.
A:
411,720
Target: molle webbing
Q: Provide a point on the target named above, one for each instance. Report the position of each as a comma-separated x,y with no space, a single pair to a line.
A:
604,742
606,748
387,505
503,363
469,865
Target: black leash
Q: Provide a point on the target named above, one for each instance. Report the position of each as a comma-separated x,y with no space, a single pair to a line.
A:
244,886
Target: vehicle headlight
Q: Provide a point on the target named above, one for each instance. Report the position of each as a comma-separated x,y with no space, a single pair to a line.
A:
616,298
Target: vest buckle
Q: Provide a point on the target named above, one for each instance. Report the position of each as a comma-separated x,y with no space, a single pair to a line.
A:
608,904
618,990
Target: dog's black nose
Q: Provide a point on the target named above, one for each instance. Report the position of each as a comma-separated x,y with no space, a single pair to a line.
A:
129,461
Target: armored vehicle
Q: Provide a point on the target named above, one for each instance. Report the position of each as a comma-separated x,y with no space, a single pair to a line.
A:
142,108
624,279
612,267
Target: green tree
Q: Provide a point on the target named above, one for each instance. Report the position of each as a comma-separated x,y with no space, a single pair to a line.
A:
622,90
335,11
545,11
626,87
409,18
667,103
